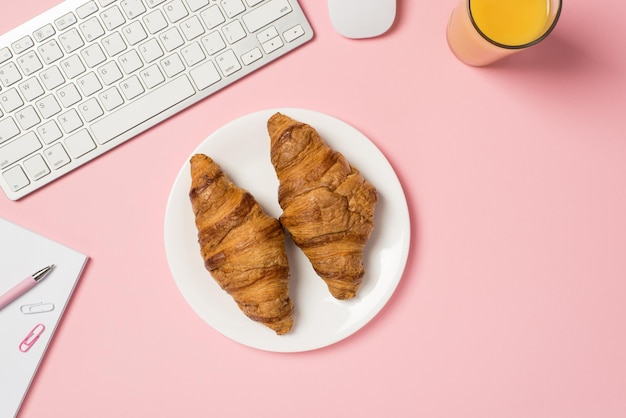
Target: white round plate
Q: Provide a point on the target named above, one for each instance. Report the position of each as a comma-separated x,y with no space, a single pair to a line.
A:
242,149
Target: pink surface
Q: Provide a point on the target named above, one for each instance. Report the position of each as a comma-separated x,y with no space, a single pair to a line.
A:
512,304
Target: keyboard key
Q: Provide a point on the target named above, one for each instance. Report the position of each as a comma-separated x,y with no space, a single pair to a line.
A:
72,66
205,75
134,33
44,33
133,8
49,132
192,28
93,55
172,65
131,87
171,39
272,45
36,167
111,98
251,56
71,40
233,32
233,7
142,109
70,121
251,3
5,54
113,44
31,89
192,54
18,149
68,95
228,62
130,61
91,29
152,76
10,100
293,33
154,3
112,18
267,34
65,21
110,73
105,3
212,17
51,78
22,45
48,106
56,156
90,110
89,84
8,129
9,74
150,50
213,43
15,178
195,5
155,21
50,51
87,9
79,144
266,14
27,117
175,10
29,63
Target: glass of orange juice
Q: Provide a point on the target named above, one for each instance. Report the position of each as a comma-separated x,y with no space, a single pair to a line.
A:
481,32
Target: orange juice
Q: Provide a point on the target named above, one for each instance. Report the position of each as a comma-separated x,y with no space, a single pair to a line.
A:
511,22
481,32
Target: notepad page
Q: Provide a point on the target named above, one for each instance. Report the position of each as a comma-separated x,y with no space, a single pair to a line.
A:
22,253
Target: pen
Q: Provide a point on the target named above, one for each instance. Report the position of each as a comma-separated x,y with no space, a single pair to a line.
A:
23,286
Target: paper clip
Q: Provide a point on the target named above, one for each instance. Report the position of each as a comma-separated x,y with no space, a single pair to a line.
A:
40,307
32,337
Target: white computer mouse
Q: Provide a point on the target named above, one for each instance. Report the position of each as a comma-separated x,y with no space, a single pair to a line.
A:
362,18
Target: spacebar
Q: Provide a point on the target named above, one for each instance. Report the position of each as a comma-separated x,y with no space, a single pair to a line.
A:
142,109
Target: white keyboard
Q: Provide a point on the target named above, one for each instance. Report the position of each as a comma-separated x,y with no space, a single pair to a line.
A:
85,76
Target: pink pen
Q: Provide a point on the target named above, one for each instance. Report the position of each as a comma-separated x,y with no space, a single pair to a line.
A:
23,286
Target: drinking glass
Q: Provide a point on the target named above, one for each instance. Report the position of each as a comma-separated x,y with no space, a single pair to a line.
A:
481,32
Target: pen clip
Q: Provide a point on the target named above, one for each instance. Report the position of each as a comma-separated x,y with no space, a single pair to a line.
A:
32,337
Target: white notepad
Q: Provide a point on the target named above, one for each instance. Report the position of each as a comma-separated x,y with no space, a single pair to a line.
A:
22,253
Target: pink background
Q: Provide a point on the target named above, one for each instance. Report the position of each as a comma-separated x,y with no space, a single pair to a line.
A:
513,300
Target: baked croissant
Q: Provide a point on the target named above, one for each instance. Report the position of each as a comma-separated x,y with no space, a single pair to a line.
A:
328,207
243,248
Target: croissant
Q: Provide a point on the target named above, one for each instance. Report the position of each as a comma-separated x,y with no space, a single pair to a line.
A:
242,247
328,207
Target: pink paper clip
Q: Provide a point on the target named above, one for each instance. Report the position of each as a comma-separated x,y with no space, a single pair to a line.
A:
32,337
